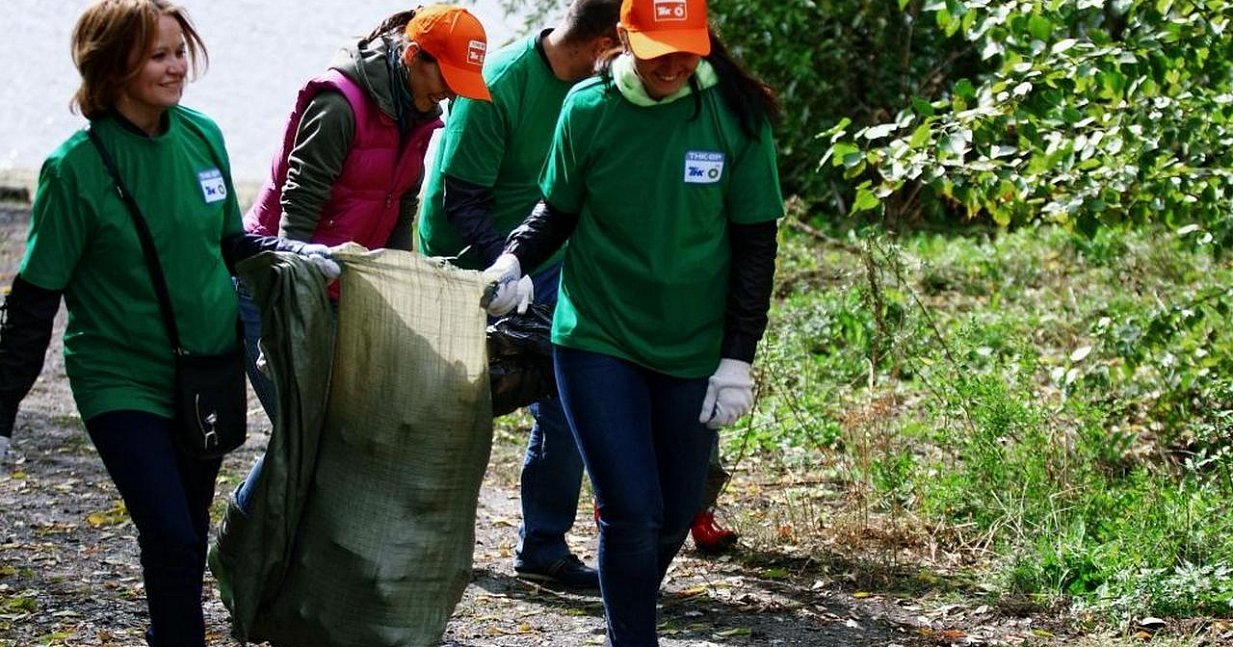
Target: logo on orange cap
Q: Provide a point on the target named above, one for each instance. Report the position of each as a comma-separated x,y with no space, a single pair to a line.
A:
454,37
671,10
659,27
475,52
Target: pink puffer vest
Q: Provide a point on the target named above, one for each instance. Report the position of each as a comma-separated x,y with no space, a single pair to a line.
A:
364,203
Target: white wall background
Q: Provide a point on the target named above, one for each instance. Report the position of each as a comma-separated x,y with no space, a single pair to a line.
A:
261,51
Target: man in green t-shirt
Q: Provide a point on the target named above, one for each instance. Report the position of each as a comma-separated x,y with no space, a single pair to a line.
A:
483,184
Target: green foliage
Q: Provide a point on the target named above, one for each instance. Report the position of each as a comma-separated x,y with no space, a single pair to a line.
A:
833,58
820,344
1135,548
1058,399
1099,112
1164,357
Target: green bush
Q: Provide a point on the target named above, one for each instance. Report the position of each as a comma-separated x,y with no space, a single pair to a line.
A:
1099,112
830,59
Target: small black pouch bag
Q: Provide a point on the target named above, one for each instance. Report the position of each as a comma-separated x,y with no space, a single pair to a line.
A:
211,405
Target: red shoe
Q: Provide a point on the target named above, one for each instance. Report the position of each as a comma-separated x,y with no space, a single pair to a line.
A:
710,537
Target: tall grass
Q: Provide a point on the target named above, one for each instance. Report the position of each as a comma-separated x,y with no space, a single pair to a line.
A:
1060,407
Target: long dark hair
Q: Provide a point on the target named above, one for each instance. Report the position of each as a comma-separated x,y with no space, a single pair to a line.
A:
397,22
751,99
747,96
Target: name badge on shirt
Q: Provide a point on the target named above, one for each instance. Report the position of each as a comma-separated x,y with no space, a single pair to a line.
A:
703,167
213,188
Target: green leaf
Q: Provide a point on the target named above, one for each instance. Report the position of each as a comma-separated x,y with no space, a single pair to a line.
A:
1040,27
842,151
837,130
964,88
879,131
775,573
19,604
1063,45
920,136
922,107
865,200
856,170
1001,215
956,144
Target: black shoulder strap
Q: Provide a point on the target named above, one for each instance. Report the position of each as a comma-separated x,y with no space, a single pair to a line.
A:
147,244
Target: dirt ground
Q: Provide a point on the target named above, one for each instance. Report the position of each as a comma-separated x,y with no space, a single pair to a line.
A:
69,571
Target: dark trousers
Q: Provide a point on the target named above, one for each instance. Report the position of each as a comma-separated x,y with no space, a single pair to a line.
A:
551,468
168,497
647,455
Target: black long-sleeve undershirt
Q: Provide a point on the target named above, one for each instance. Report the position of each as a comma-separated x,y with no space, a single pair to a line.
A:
29,314
238,247
468,208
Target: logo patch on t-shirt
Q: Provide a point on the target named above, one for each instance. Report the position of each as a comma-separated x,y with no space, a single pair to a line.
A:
703,167
213,187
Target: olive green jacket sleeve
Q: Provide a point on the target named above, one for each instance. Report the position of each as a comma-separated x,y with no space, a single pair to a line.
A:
322,143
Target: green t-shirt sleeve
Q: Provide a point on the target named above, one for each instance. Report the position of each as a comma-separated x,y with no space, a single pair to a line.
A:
754,194
58,229
561,179
202,126
233,219
474,141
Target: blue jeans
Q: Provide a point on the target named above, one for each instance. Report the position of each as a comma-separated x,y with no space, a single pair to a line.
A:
647,456
551,469
168,497
263,386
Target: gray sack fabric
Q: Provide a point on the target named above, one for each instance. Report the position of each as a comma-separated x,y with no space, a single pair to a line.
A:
251,554
384,542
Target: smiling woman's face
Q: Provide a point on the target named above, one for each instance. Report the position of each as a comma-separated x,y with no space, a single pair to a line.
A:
665,75
160,82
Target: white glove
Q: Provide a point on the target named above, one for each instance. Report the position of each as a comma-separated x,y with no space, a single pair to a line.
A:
319,256
510,288
729,394
4,449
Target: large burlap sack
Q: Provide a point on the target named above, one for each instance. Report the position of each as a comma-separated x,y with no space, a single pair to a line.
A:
383,546
251,554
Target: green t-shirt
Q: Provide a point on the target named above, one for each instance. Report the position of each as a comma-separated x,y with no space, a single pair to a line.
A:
501,145
646,272
82,241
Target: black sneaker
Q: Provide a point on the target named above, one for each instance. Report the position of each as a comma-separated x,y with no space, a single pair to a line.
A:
568,571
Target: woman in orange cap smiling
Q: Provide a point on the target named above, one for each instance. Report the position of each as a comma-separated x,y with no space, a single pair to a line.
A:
352,153
662,178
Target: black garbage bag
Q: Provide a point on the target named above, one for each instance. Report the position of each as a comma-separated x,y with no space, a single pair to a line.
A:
520,359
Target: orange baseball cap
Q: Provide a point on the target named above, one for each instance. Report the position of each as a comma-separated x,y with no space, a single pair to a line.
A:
456,39
658,27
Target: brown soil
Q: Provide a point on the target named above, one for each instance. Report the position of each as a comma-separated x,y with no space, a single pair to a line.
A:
69,573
